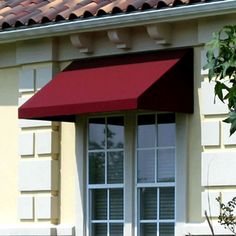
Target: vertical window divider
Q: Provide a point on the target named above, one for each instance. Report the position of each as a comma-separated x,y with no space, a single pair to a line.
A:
105,149
137,194
88,193
156,148
129,173
158,212
108,212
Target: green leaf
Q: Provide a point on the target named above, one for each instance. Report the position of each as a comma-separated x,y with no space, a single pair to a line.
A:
221,65
219,87
231,120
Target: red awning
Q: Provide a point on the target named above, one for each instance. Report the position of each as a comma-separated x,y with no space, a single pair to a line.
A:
160,82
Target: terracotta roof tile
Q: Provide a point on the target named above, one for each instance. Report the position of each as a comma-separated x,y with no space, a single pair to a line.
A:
17,13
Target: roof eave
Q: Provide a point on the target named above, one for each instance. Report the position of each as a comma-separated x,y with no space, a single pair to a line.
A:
119,21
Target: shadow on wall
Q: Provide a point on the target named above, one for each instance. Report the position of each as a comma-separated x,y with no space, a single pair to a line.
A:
8,87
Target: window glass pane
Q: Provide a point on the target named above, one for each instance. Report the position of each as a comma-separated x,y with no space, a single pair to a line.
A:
97,168
167,203
167,229
99,204
148,229
116,204
116,229
99,229
115,167
146,131
166,130
115,132
166,165
146,166
148,203
96,133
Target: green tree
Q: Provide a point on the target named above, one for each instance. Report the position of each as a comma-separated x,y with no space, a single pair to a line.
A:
221,63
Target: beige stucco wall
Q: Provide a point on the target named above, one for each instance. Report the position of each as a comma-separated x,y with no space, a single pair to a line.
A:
194,148
8,145
68,173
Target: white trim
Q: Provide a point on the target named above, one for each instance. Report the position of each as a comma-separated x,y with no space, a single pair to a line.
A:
155,185
129,170
181,166
174,14
105,186
204,229
37,230
81,180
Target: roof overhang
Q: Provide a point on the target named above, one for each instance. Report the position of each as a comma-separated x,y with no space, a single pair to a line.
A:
175,14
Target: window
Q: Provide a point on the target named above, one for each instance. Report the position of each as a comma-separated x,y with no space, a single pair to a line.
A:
156,174
153,171
106,176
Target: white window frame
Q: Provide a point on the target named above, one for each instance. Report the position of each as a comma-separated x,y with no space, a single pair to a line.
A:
130,193
156,185
104,186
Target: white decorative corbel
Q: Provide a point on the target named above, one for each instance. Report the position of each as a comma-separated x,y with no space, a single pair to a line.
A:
120,37
161,33
82,41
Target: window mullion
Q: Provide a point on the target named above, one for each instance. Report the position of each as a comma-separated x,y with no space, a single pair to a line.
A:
158,212
108,212
156,146
129,170
106,166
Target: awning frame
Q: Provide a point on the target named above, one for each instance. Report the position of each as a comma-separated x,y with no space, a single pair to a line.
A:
172,93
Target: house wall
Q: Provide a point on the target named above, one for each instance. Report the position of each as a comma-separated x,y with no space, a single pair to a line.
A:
8,145
69,174
194,150
40,190
217,165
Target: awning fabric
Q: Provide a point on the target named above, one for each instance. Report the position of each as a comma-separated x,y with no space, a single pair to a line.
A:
157,81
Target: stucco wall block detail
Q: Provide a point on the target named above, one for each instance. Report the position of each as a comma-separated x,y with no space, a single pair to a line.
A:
25,208
65,230
35,51
46,207
228,140
44,144
228,196
26,83
26,144
39,140
36,175
33,123
210,133
218,169
208,106
203,62
43,76
209,204
22,100
23,230
37,230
